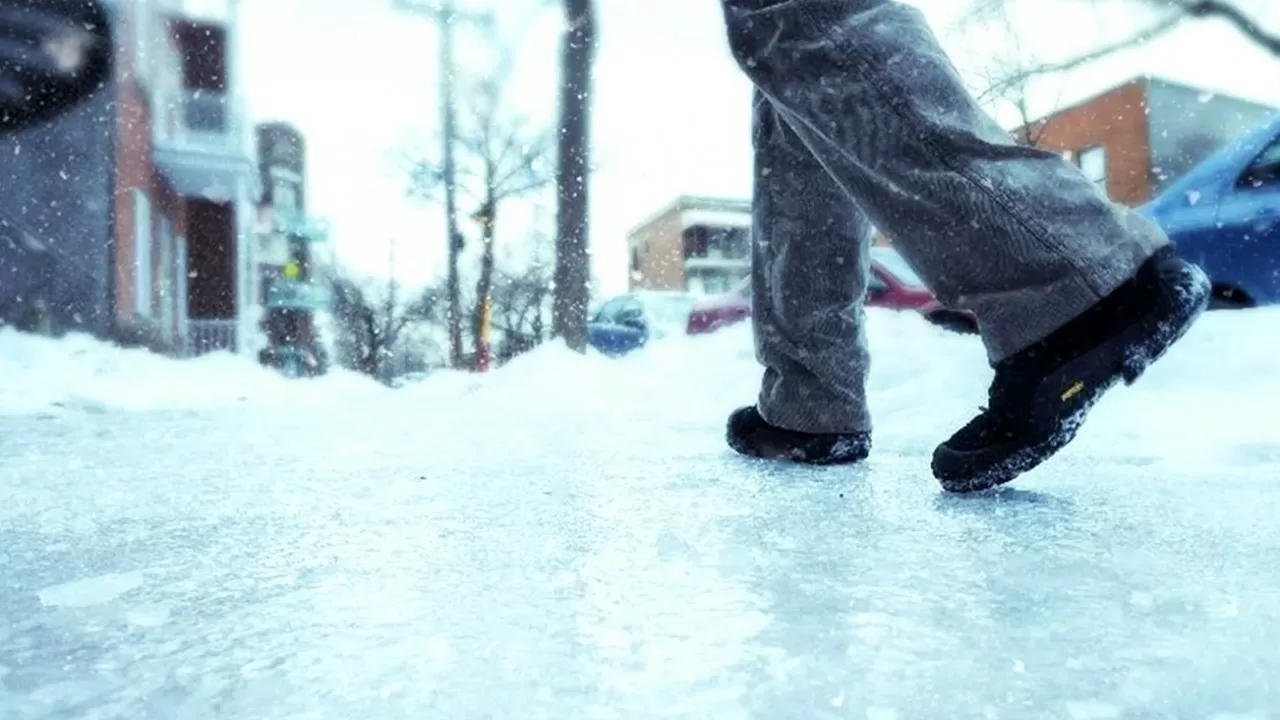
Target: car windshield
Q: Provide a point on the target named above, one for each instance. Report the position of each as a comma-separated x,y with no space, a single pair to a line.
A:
897,266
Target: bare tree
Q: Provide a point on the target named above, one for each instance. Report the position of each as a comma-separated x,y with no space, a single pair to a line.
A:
519,302
573,257
370,328
1164,17
446,16
1016,96
512,162
501,158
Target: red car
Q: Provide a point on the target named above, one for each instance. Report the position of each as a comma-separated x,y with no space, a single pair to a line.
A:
893,284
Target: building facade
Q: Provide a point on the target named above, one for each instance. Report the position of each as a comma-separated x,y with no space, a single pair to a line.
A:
700,245
134,213
295,258
1138,137
189,213
696,244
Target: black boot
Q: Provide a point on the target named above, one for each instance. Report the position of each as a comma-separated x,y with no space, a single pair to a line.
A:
750,435
1041,395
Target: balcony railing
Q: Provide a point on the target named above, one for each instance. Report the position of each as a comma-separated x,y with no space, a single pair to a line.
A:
202,121
205,112
286,294
206,336
717,261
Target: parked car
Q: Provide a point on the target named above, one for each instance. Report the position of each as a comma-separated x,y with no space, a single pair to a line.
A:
1224,215
629,322
893,284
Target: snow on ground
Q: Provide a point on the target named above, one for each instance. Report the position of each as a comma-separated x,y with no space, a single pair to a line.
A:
80,373
1211,402
569,538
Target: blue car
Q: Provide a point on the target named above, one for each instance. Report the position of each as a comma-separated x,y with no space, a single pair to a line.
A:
1224,215
629,322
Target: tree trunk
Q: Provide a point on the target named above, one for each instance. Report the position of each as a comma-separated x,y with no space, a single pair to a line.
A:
484,286
569,304
452,235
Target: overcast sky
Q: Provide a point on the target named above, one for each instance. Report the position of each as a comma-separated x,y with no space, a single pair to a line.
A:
671,110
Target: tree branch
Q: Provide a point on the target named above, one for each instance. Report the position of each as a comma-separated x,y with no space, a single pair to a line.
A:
1246,25
1023,75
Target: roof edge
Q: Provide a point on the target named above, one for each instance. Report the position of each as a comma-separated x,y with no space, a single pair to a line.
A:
691,202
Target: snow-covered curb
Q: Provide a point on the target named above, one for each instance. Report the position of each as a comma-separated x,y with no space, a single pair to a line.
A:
79,372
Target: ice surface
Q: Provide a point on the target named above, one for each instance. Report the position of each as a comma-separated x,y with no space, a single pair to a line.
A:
90,591
568,538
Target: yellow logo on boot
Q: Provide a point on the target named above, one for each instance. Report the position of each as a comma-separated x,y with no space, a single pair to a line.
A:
1073,391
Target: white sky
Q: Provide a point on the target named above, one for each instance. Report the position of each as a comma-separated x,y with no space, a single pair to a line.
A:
671,111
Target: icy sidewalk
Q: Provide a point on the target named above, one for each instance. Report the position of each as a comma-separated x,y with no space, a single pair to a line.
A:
503,548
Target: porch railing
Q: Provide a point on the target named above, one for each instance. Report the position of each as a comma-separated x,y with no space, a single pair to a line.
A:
206,336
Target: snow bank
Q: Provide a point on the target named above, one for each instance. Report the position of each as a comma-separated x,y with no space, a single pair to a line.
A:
78,372
1212,401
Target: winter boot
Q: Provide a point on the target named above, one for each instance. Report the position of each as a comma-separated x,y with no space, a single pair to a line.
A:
750,435
1041,395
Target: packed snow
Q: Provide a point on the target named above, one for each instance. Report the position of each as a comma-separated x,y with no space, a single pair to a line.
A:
568,537
80,373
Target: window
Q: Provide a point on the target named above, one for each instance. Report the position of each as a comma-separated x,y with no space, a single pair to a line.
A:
609,311
1265,169
1093,163
142,253
284,196
715,283
717,242
628,306
728,242
618,310
695,242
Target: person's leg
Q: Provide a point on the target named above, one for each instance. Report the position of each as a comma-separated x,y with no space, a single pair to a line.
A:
1016,234
809,276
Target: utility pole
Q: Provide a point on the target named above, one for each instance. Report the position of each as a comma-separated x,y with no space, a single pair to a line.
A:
445,13
573,257
389,316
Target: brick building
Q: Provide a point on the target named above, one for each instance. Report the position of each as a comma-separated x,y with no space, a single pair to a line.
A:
134,212
699,244
1138,137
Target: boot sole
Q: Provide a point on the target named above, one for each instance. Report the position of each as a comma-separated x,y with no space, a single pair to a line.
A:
1184,296
847,452
844,450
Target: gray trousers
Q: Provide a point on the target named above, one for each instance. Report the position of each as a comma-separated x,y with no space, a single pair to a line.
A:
860,118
